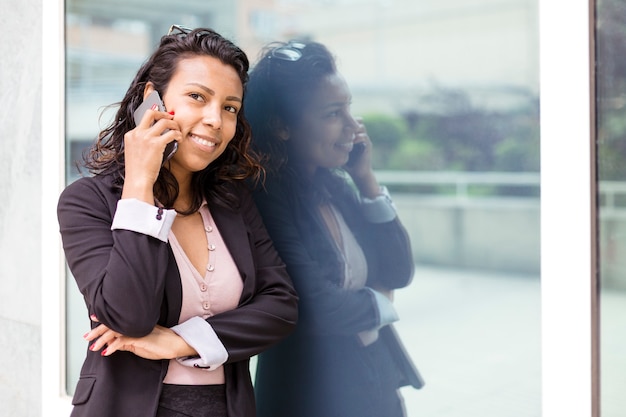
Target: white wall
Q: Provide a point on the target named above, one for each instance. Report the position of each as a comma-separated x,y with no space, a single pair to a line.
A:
20,208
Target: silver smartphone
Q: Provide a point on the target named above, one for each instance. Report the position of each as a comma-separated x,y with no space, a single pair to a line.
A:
153,101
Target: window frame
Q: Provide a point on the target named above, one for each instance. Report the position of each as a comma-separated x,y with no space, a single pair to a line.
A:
569,310
54,400
568,277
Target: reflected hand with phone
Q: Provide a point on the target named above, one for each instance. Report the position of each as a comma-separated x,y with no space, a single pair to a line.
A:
359,164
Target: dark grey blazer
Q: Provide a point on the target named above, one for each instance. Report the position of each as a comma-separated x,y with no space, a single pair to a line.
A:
322,369
130,281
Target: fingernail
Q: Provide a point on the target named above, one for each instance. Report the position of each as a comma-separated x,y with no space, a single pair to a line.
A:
93,317
85,335
104,352
92,347
172,113
154,107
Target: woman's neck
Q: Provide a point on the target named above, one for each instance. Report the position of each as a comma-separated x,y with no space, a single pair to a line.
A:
304,171
184,200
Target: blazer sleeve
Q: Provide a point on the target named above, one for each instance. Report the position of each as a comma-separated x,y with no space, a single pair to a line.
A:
120,273
386,243
268,309
390,258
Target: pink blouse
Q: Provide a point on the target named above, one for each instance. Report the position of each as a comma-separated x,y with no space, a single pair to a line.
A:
218,290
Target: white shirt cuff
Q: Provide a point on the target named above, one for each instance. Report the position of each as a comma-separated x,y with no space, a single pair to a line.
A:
386,311
200,335
380,209
141,217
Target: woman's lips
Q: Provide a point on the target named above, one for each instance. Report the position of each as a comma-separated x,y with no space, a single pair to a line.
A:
203,141
345,146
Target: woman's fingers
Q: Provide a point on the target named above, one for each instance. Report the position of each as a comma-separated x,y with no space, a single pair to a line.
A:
102,341
156,129
144,145
161,343
143,155
118,343
101,337
361,132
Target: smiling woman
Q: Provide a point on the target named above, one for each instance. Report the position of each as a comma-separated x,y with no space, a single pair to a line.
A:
325,133
345,251
172,259
206,114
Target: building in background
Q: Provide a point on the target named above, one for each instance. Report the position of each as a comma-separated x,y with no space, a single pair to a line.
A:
393,53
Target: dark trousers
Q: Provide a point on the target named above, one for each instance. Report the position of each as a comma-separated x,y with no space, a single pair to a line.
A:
192,401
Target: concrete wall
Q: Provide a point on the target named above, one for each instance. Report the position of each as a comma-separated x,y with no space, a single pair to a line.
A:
20,208
500,234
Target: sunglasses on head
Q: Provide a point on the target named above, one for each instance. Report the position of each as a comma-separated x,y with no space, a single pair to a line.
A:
182,31
292,51
178,30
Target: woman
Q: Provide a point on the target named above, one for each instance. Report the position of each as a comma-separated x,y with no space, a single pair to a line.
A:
345,250
179,275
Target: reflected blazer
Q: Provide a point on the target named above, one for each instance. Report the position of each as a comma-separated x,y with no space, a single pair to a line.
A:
130,281
311,372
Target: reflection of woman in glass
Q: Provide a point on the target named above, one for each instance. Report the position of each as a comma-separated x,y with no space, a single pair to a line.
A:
345,250
177,271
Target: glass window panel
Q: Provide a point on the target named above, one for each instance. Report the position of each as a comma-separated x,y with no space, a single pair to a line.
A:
449,93
611,175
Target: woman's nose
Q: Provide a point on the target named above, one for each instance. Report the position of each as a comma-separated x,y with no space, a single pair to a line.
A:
351,122
212,116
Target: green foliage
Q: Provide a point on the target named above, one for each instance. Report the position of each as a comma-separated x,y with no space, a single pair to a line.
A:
389,133
418,155
454,135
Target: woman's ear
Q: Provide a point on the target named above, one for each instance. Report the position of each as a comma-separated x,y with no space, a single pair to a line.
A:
283,133
281,130
148,89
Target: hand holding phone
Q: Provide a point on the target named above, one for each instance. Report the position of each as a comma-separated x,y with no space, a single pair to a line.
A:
356,153
360,145
154,102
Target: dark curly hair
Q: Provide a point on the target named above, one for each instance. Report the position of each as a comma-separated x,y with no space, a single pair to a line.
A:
279,86
238,162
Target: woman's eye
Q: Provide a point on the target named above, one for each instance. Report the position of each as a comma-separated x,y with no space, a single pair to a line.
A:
196,96
232,109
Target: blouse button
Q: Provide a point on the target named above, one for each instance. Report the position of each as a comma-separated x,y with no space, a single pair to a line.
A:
206,305
211,247
209,228
203,287
211,268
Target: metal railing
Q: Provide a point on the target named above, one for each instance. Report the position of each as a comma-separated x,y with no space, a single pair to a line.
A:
612,198
462,182
611,194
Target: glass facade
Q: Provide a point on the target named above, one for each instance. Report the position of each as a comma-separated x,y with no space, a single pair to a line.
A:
449,92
